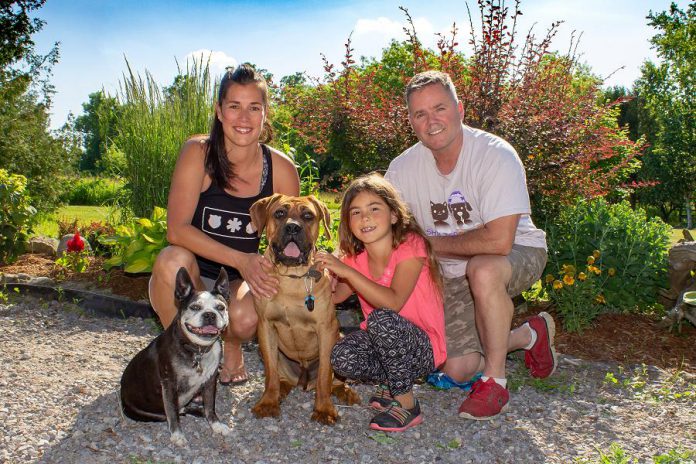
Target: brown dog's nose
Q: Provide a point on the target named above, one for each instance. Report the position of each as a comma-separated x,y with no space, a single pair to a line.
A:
292,228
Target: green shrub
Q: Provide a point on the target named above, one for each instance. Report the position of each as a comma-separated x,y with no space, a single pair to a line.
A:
627,242
16,215
136,246
92,191
153,125
113,161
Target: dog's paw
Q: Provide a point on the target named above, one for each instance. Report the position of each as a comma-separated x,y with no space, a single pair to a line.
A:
222,429
178,439
266,410
326,417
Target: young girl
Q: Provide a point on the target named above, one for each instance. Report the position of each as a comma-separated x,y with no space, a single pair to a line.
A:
389,264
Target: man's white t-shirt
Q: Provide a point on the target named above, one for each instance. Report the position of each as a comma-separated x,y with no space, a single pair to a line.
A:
487,183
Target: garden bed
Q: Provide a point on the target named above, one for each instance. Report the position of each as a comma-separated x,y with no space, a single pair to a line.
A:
624,338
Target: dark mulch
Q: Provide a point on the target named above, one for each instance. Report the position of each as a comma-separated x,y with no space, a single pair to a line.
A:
628,339
624,338
120,283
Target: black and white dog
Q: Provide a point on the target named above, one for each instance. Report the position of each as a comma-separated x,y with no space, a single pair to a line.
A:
162,379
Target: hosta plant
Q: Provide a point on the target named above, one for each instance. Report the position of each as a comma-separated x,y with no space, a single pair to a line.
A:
137,245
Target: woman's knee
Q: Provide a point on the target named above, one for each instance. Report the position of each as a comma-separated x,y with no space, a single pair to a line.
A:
242,324
171,259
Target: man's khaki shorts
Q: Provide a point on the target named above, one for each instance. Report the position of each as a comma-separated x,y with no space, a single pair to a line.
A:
462,338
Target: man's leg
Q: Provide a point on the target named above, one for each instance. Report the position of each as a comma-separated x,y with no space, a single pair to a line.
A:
488,278
493,279
464,352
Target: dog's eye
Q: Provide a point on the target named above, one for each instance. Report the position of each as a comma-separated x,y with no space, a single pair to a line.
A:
195,307
220,307
307,216
279,214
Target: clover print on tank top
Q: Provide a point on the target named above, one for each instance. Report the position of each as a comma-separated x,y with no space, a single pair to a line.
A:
227,224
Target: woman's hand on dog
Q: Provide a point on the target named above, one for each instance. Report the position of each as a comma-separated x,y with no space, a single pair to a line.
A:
255,270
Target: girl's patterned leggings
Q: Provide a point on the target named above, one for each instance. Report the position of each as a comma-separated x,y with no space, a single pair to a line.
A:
392,350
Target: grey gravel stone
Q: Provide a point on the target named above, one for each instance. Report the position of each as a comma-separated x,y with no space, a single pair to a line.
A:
59,404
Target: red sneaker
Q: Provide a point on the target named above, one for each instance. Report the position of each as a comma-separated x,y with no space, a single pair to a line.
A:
541,358
486,400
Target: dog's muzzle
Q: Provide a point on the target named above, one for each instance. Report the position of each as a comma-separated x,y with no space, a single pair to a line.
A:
293,247
208,327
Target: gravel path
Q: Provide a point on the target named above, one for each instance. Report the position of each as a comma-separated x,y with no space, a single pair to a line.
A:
59,386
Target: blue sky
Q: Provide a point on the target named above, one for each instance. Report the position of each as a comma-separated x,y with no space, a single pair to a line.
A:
288,36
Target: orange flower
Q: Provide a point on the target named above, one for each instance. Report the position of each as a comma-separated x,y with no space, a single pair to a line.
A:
549,278
596,254
611,271
590,260
557,284
568,279
600,299
568,269
582,276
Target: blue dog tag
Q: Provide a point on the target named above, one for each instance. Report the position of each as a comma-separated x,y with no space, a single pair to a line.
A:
309,302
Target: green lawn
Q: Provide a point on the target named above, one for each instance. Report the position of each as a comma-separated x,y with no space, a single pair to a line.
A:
677,234
84,215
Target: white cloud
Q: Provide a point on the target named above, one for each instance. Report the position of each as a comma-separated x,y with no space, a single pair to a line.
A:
218,60
391,29
371,35
381,25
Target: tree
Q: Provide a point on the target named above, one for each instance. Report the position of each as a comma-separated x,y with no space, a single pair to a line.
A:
668,91
630,105
98,127
26,144
543,103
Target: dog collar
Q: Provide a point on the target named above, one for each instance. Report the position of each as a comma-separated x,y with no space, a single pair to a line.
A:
309,278
198,353
311,273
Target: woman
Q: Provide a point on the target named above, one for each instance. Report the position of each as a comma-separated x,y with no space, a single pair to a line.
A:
215,181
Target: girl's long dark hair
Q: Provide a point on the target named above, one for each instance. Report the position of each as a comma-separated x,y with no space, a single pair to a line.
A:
217,165
405,222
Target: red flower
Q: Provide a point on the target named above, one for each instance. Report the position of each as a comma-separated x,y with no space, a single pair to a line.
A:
76,244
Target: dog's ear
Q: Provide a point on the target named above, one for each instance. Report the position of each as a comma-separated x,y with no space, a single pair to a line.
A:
324,213
222,285
184,285
259,212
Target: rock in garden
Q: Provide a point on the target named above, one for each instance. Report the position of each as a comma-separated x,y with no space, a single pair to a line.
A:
46,281
43,245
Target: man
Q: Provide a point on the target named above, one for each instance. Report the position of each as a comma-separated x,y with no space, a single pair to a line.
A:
467,189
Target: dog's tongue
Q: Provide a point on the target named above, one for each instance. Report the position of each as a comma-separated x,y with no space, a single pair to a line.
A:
208,329
291,250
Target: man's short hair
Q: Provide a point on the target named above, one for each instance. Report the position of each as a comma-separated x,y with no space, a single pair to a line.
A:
427,78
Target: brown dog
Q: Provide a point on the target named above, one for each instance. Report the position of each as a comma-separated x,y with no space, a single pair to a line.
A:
297,328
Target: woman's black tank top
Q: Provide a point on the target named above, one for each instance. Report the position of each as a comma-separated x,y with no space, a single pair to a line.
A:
225,218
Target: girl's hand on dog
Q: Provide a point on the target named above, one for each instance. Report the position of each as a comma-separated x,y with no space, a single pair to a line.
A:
332,263
255,270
